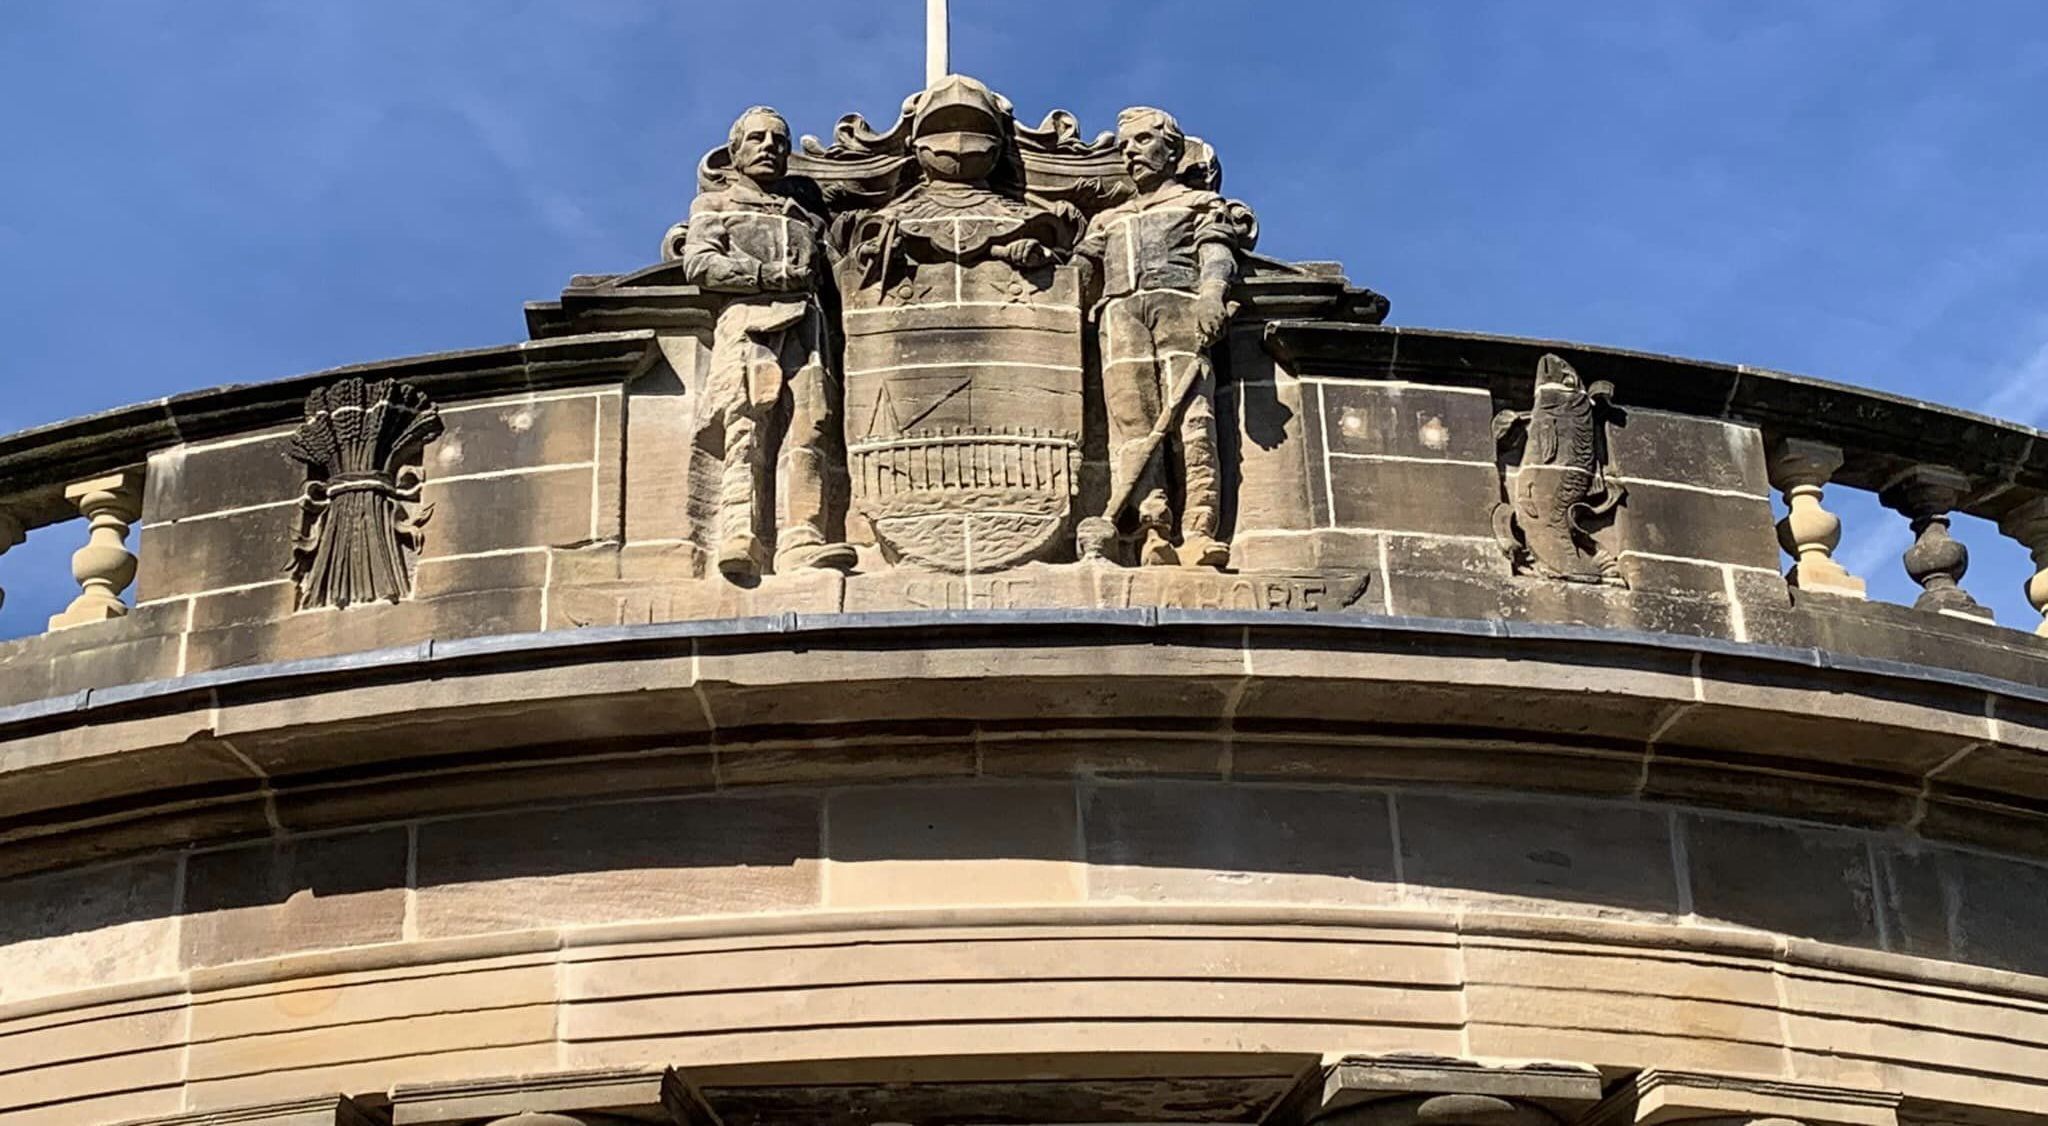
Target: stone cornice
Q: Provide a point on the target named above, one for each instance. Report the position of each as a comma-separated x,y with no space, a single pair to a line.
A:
120,769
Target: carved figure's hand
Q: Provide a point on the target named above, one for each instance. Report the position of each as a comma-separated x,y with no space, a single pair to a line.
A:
1026,254
1212,314
803,266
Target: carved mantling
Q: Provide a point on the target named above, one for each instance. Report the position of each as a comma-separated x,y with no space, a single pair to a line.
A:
362,519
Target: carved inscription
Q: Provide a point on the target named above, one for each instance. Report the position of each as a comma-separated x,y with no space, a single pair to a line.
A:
1124,590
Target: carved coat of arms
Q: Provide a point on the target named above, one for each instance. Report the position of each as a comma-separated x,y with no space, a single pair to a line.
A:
963,349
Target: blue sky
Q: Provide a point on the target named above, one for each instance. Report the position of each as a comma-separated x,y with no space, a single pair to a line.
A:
210,191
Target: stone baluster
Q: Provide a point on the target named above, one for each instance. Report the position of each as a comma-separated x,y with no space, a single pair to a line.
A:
1925,495
2028,523
11,534
104,566
1809,533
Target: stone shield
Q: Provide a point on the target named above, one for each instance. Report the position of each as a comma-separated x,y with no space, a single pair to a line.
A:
963,414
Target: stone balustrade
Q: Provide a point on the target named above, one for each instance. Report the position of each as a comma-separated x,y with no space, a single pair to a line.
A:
1364,475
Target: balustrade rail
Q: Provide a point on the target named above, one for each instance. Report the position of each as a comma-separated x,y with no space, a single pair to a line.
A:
1805,437
1924,461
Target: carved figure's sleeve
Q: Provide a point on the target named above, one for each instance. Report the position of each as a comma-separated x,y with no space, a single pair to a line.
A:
1226,228
708,259
1094,242
1088,255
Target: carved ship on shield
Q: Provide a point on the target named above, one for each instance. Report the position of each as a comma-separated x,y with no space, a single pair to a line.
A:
963,411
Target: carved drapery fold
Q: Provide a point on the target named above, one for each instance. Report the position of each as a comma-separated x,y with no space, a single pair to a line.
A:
362,519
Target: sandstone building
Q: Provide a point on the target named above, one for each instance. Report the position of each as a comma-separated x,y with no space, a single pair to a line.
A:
965,638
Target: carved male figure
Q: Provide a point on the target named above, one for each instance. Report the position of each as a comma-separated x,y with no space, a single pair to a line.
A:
770,388
1167,259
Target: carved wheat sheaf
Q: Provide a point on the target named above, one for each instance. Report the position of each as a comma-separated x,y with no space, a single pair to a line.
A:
361,517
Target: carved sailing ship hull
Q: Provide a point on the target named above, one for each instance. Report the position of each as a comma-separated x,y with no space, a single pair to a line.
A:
964,414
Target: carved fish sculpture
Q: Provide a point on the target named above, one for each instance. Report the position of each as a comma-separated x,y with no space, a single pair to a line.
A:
1561,481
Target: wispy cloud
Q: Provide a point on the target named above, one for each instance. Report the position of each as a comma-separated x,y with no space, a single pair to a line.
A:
504,134
1873,547
2020,394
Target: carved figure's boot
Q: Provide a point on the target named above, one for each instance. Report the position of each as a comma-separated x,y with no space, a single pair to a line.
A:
1198,550
1155,550
1155,546
822,556
1095,538
741,557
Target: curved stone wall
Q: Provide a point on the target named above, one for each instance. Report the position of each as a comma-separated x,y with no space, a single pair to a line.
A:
1204,852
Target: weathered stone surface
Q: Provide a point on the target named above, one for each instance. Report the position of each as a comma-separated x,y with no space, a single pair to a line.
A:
514,571
670,485
300,893
1676,773
1906,729
142,646
881,759
605,864
1467,578
1266,433
492,436
213,552
1913,913
497,779
1214,840
1449,758
1815,883
321,633
1432,498
77,930
1027,750
229,609
1713,453
546,507
1007,843
607,587
1996,909
1694,524
1567,856
193,480
1338,549
1368,419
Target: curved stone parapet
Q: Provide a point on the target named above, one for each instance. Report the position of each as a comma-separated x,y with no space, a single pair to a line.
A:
884,665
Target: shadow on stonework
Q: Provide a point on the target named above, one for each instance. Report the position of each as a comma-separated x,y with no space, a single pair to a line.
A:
1102,839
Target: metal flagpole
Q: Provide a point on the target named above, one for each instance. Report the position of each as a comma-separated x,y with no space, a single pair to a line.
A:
938,42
